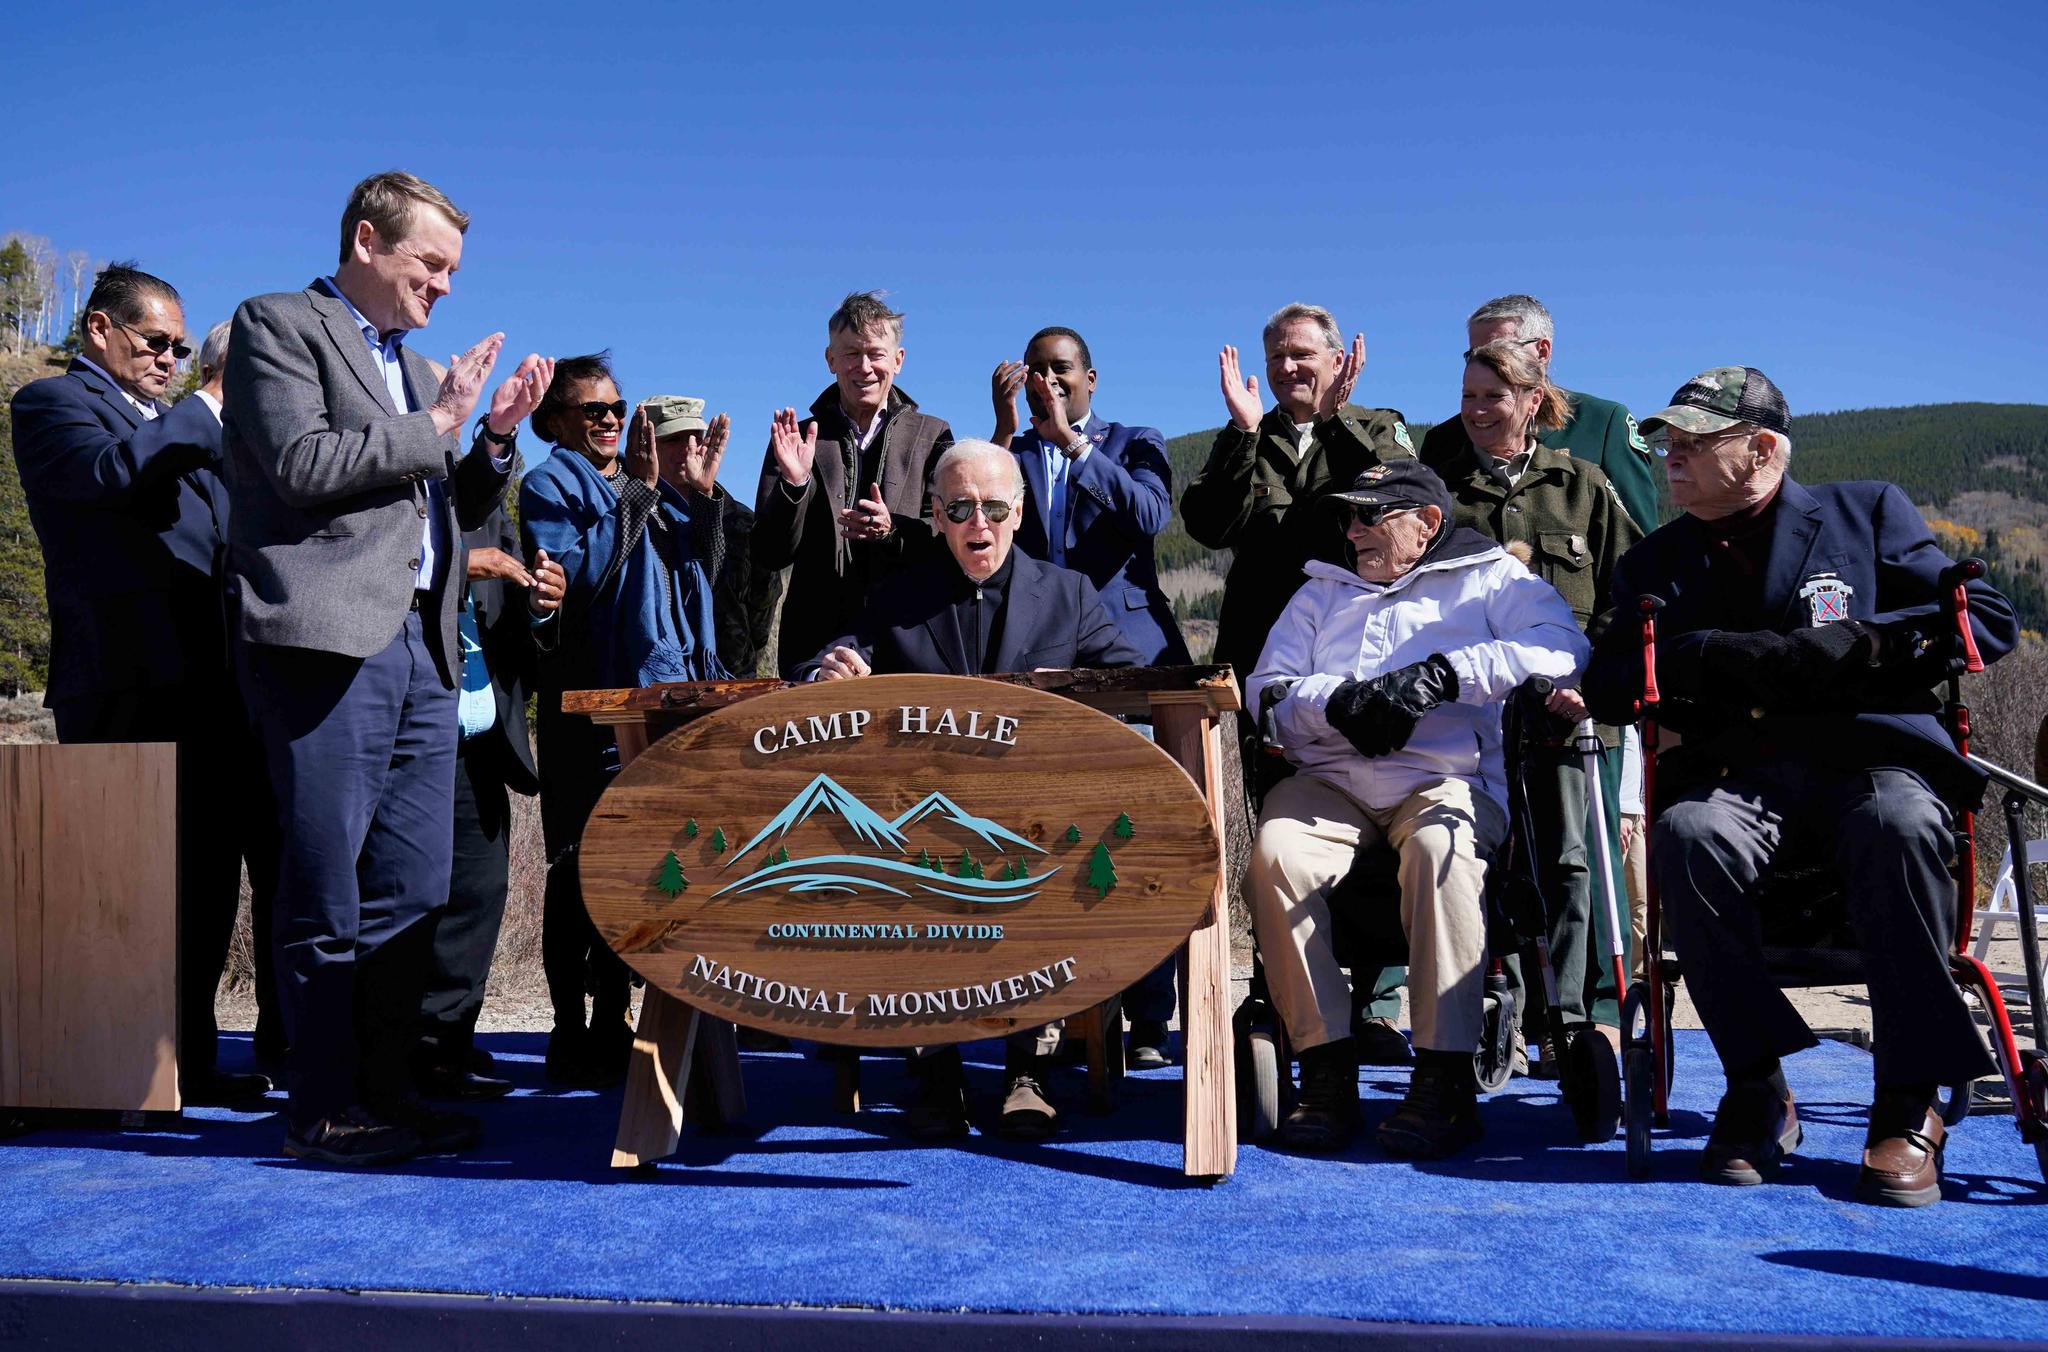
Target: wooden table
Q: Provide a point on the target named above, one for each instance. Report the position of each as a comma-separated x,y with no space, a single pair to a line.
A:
685,1065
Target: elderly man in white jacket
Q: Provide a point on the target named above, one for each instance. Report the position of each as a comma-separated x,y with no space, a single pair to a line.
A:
1386,684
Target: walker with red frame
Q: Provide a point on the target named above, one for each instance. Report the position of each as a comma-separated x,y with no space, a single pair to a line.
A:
1646,1012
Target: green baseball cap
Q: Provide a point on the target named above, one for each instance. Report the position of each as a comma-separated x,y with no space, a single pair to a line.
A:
1716,400
672,414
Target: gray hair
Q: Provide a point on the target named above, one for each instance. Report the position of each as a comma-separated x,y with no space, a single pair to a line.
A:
213,353
969,451
1531,319
1326,322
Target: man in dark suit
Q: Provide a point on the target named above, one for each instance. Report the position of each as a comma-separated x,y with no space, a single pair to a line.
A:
125,497
1802,633
841,502
349,498
1095,493
975,608
493,759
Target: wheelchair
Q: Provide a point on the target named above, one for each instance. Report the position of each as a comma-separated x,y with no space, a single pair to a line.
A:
1366,934
1807,941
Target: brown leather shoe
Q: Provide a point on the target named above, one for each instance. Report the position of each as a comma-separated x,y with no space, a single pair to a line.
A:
1754,1128
1028,1114
1902,1165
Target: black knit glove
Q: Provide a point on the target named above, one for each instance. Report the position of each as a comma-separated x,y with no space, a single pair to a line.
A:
1780,670
1379,716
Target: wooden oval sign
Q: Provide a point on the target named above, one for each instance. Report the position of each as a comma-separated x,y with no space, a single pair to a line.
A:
899,860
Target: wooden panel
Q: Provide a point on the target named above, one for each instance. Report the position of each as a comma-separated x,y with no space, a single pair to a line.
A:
1210,1151
651,1115
88,926
1091,855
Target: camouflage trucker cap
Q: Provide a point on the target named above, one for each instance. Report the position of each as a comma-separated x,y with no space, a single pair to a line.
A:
1716,400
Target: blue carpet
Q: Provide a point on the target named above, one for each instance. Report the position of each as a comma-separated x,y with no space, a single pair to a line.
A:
1531,1230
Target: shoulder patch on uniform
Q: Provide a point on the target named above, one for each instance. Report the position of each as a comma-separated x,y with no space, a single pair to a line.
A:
1401,436
1635,435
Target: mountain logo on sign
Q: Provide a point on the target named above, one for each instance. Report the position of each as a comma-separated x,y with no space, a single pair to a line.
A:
848,874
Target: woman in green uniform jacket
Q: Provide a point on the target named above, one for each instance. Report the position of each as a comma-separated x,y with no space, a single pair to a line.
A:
1513,489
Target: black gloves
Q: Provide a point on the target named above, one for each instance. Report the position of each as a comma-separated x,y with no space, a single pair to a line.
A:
1378,716
1781,670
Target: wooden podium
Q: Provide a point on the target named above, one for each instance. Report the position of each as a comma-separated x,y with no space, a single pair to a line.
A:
685,1065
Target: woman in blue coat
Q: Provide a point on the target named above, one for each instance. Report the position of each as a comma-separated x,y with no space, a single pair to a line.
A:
637,534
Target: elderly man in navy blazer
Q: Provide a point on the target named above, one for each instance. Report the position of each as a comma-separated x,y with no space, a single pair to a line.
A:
349,498
1802,634
1096,493
974,608
125,497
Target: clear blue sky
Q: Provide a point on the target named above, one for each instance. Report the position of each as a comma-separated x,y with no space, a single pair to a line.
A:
1852,197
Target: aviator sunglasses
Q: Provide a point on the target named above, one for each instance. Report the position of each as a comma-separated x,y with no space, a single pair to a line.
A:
961,510
594,412
158,343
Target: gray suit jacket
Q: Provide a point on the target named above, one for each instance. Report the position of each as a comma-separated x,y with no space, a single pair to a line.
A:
328,485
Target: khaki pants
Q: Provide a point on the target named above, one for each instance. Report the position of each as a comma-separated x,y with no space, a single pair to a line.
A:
1308,835
1636,866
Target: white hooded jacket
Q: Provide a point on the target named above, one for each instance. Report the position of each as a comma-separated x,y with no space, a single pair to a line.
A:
1496,622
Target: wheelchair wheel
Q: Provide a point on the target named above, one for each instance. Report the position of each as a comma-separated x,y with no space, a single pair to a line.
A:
1591,1083
1954,1106
2034,1084
1258,1085
1637,1071
1494,1062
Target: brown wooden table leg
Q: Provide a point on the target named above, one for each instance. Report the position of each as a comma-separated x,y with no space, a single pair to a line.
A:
1190,735
657,1079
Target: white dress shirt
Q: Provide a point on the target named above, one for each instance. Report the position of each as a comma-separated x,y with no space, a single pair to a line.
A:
148,411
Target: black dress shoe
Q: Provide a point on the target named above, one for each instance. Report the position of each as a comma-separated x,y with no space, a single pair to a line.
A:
479,1061
1147,1047
447,1083
440,1132
225,1087
353,1139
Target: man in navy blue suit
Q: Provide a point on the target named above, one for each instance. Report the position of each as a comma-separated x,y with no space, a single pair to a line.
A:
1802,635
976,608
125,496
1096,493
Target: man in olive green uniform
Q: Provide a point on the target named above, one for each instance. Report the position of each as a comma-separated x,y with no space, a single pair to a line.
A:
1261,495
1600,431
1568,516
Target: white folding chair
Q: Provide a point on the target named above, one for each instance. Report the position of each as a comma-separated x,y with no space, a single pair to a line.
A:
2003,908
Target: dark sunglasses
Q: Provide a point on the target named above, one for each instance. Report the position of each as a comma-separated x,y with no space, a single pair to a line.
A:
1371,516
960,511
158,343
594,412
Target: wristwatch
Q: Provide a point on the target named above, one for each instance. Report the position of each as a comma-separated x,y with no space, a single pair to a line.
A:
1076,446
483,427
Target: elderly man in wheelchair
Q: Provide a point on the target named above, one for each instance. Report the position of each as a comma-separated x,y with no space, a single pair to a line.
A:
1385,685
1798,635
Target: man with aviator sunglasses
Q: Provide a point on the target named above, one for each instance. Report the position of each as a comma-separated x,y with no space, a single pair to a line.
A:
979,608
127,501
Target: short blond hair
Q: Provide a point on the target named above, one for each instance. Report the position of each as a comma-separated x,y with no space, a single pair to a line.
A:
388,202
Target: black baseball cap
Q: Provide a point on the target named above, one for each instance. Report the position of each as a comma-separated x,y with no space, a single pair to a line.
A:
1395,485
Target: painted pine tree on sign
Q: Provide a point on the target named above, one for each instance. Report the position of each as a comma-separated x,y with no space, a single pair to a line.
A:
1101,870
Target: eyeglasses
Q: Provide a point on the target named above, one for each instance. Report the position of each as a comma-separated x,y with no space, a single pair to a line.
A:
594,412
158,343
1661,442
960,511
1372,516
1511,342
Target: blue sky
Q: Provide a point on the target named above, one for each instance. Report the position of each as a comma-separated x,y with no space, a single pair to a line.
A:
1851,197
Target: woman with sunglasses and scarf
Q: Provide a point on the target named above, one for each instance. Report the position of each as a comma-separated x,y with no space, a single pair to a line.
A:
1562,517
636,528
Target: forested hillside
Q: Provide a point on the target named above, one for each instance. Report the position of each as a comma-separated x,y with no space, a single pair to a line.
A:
1978,471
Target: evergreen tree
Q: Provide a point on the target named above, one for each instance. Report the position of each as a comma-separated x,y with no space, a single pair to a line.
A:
671,879
690,829
24,611
718,840
1101,871
1073,834
1123,830
965,868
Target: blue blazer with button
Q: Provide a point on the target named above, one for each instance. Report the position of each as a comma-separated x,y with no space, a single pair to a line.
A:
1118,498
132,517
1872,553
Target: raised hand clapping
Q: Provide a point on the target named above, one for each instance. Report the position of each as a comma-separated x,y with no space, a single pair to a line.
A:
1337,393
793,447
1240,392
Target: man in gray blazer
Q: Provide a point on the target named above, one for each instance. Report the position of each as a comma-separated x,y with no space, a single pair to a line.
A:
348,498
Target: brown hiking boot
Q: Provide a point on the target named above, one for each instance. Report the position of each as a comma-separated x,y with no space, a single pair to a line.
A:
1325,1116
1440,1114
